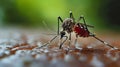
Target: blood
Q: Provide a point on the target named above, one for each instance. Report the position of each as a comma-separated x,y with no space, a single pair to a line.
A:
81,31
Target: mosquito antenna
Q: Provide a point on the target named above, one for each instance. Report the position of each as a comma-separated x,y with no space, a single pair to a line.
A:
104,42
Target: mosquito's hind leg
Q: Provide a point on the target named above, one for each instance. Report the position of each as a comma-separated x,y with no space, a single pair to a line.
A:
105,43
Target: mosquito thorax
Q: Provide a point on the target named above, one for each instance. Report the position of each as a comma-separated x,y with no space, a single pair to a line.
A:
68,24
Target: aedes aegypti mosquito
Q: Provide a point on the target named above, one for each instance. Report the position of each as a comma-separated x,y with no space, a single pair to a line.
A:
69,25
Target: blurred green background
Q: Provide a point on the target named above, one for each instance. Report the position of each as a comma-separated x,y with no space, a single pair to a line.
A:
103,14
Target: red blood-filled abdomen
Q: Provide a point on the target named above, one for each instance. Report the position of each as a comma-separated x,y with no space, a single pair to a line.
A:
81,31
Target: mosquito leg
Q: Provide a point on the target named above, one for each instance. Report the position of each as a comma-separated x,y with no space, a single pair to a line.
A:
103,42
49,41
71,16
76,39
69,44
69,40
59,19
63,42
81,17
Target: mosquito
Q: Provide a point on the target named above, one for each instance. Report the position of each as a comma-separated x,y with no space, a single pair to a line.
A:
69,25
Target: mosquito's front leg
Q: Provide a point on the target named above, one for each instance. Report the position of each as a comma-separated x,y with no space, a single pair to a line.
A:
59,19
63,41
49,41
